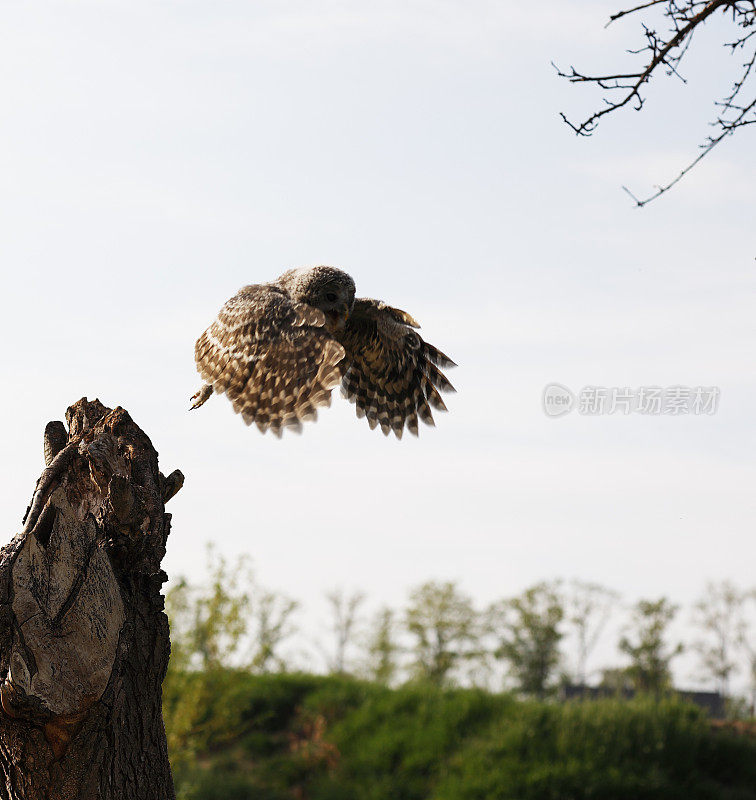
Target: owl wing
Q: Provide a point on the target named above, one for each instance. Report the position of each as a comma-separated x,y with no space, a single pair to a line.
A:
271,356
390,373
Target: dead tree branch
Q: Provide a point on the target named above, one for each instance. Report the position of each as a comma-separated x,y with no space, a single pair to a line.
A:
665,52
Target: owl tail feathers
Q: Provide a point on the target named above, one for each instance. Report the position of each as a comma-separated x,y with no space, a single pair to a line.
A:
200,397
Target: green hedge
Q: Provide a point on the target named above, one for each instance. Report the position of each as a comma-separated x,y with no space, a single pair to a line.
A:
302,736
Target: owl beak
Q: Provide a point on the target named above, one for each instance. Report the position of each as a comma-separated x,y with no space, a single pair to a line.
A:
346,312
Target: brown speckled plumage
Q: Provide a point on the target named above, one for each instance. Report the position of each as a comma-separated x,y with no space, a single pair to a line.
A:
391,374
278,349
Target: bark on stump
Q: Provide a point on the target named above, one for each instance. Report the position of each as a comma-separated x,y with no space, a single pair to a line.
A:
83,637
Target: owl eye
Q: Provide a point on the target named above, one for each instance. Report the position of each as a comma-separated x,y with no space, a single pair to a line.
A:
331,297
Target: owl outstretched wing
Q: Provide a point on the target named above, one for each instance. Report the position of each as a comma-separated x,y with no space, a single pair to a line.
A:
390,373
271,356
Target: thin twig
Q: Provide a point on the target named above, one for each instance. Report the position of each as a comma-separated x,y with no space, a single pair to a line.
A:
668,51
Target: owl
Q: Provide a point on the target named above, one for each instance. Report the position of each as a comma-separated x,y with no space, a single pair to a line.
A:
277,350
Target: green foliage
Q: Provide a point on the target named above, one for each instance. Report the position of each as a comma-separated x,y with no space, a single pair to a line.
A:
228,620
587,610
279,737
608,750
395,744
382,648
272,625
445,629
208,623
211,654
649,655
528,628
345,616
234,734
719,615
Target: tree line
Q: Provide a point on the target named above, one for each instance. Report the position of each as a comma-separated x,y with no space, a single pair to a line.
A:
530,643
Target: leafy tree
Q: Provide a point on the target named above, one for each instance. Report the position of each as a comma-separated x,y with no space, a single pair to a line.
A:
271,615
645,646
382,648
747,645
668,29
209,622
588,607
208,627
445,629
718,614
528,629
345,616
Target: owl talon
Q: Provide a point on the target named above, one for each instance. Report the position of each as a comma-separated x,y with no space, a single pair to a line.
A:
200,398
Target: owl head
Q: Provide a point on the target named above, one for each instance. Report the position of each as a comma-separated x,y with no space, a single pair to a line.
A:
327,288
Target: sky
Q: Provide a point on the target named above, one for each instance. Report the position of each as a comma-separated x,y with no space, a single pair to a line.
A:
157,156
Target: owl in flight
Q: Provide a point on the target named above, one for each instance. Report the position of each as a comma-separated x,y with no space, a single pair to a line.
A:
278,349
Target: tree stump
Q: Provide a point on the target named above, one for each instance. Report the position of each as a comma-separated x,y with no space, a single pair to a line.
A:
84,640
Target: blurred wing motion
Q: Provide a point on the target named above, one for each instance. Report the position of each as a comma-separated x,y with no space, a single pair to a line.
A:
390,373
271,356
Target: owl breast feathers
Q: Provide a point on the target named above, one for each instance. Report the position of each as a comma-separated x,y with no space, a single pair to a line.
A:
278,349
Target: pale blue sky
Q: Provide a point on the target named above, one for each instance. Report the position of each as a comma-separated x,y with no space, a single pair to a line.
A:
157,156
